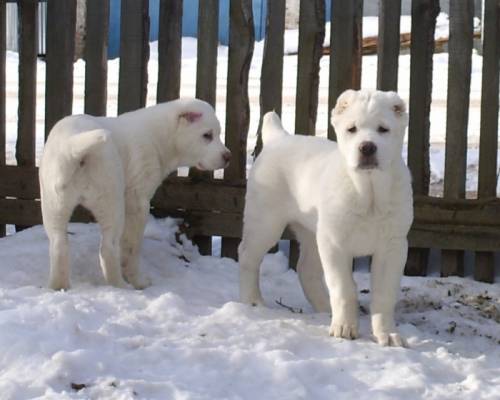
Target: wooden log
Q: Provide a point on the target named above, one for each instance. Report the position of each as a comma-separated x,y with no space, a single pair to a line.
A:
169,50
388,44
345,57
241,43
311,37
424,14
457,113
61,20
134,55
96,57
206,82
271,78
3,40
485,262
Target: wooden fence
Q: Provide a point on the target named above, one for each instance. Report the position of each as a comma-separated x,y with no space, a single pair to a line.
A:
211,206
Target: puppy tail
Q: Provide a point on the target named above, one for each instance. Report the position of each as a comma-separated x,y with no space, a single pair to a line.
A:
272,129
83,143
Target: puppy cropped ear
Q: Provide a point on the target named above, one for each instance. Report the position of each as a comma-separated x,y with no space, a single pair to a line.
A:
343,101
399,108
191,116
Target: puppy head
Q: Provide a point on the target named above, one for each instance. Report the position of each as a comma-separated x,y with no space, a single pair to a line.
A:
198,140
370,128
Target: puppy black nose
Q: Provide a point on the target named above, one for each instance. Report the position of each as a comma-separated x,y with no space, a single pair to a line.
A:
368,148
226,156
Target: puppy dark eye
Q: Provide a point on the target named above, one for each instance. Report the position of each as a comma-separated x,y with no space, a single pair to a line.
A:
208,136
382,129
352,129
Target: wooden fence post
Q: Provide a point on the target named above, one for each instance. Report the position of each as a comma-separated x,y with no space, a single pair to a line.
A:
206,82
485,261
241,43
457,115
169,50
388,44
345,54
61,20
96,57
3,40
423,17
134,55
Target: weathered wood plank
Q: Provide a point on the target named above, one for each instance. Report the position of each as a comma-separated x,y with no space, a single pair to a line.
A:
271,78
134,55
169,50
61,19
388,44
311,37
3,40
241,43
96,57
28,49
424,14
345,54
206,81
457,114
485,262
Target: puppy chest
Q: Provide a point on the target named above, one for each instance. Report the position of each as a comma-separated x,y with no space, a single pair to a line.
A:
366,235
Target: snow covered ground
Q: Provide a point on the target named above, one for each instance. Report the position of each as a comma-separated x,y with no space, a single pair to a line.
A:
187,337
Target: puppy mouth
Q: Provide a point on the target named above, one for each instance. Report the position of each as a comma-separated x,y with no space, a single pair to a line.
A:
368,163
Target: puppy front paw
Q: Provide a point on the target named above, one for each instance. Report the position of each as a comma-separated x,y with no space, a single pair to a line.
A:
139,282
392,339
59,284
344,331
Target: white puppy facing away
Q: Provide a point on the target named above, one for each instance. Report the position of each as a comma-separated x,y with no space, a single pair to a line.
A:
342,200
113,166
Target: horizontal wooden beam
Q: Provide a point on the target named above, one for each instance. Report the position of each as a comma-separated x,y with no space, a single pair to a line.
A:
215,208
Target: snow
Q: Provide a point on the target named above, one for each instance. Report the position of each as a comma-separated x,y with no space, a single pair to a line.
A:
187,337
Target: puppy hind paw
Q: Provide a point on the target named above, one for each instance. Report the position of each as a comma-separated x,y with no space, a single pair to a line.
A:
344,331
390,339
139,282
59,284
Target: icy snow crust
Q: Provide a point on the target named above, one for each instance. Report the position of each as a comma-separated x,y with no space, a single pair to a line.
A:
187,337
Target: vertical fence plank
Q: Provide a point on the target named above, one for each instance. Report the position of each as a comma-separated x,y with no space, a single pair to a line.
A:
169,50
423,17
61,20
241,43
271,79
3,40
206,81
134,55
485,263
96,57
28,49
311,37
388,44
345,55
457,113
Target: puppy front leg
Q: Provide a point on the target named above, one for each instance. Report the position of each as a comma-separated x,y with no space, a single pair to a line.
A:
337,266
386,270
135,221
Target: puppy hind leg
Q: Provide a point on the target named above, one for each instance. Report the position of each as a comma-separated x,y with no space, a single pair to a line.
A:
310,271
259,236
59,258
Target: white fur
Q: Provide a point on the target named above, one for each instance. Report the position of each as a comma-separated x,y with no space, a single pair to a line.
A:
112,166
340,206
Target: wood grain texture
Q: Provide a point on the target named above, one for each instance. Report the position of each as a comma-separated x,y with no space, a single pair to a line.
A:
96,57
424,14
487,183
134,55
61,19
345,55
169,50
241,43
457,114
388,44
3,41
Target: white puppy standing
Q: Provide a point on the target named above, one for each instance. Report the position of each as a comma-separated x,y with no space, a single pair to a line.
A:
113,166
342,200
